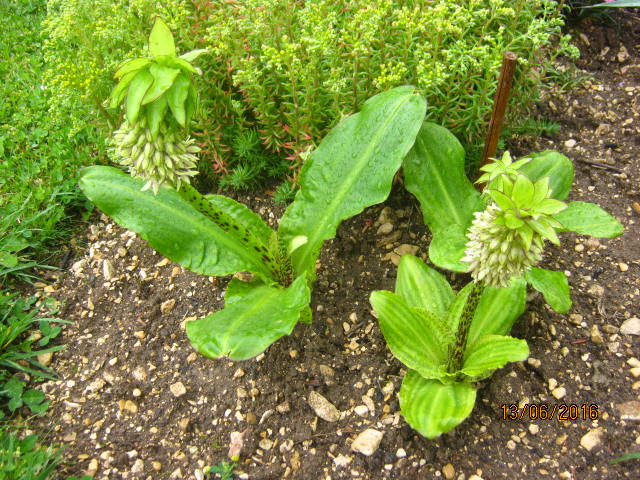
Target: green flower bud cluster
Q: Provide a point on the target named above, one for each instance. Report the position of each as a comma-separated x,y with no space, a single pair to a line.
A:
507,238
497,254
169,158
160,100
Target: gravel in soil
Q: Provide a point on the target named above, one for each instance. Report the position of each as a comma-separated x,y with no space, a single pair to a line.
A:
135,401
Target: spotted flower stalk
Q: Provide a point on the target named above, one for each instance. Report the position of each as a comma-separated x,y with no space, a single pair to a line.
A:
160,100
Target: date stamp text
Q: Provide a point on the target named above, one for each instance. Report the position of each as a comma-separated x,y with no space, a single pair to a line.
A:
557,411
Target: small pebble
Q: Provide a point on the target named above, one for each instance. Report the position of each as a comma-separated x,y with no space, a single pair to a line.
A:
167,306
592,439
361,410
559,392
178,389
323,408
367,442
265,444
448,471
630,326
596,336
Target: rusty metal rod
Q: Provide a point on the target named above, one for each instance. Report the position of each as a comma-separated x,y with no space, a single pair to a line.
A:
499,107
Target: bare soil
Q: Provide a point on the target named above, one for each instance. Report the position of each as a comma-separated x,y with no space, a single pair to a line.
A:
135,401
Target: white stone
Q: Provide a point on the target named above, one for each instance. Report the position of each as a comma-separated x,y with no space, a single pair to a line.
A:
630,411
592,439
570,143
631,326
265,444
367,442
401,453
634,362
107,270
361,410
323,407
341,461
559,392
178,389
138,466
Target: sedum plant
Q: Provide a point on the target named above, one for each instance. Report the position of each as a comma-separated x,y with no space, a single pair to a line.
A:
352,168
301,65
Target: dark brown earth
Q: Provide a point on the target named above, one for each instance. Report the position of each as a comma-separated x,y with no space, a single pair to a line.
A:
135,401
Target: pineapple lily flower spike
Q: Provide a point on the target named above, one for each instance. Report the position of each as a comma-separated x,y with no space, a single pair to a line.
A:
160,101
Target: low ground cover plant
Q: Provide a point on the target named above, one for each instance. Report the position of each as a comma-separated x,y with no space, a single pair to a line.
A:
23,336
281,74
301,67
38,160
449,341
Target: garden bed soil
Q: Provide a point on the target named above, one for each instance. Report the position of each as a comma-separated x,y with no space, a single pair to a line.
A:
135,401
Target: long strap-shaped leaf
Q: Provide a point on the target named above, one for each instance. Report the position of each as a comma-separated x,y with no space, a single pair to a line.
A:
416,337
433,408
241,223
171,225
351,169
434,173
423,287
255,317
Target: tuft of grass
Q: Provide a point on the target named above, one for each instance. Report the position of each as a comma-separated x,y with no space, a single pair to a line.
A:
20,345
23,456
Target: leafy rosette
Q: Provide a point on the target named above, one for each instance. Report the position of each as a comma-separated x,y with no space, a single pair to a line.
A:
511,209
419,322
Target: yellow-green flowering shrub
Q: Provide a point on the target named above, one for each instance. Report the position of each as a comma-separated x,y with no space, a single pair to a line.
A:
300,66
84,43
282,72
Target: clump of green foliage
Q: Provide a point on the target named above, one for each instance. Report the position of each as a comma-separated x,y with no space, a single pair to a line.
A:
39,161
20,345
301,67
286,72
22,456
86,41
